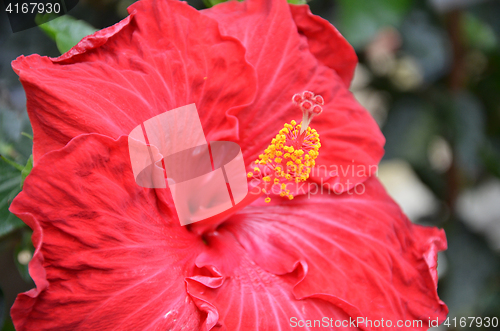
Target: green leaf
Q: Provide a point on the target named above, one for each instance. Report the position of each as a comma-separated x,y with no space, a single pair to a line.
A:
479,34
10,186
66,30
12,163
8,326
27,169
211,3
360,20
27,135
12,125
10,224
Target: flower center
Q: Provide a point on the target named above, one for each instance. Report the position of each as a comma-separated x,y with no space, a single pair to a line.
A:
292,153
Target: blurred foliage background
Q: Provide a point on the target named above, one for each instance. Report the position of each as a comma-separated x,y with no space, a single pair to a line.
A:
429,74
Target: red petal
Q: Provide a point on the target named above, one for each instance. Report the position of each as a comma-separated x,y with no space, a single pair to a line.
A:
362,254
249,298
325,42
108,254
288,59
164,55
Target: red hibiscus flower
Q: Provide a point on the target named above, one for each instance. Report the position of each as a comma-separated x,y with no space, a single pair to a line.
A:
112,255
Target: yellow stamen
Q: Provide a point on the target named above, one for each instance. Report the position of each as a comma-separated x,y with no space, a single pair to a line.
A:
293,151
291,156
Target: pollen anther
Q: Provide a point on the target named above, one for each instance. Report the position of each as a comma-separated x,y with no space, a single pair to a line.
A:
289,158
292,153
